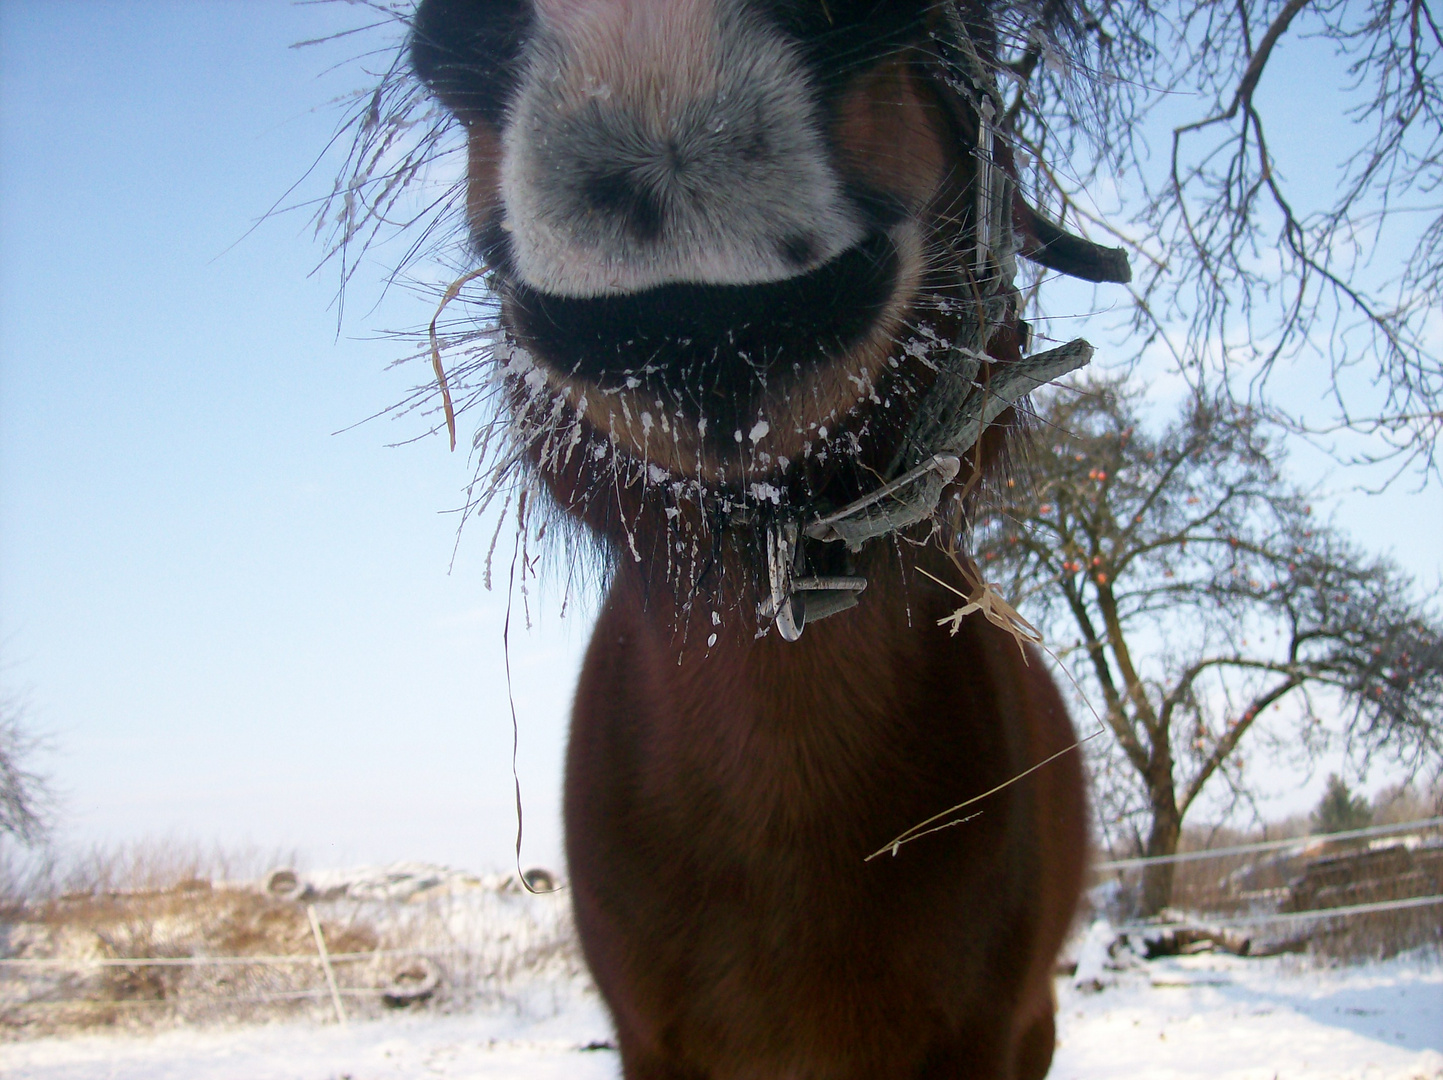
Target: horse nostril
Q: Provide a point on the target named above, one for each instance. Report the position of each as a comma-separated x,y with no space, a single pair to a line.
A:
617,194
799,250
755,147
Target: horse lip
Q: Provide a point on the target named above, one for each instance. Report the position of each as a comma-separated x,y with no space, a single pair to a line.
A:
708,339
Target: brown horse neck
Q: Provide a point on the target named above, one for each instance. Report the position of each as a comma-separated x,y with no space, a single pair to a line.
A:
716,641
807,740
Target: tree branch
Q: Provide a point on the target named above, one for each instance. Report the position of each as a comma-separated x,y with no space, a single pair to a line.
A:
1229,741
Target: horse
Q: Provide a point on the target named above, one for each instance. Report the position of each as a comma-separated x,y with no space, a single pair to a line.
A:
754,264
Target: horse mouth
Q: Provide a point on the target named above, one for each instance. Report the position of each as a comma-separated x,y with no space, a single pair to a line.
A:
714,358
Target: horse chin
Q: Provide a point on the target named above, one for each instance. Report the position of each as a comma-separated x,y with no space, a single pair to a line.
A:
725,384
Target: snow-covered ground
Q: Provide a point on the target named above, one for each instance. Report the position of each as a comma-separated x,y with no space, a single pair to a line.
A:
1213,1016
1220,1016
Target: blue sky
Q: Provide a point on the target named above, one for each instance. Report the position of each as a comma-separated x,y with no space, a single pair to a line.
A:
234,623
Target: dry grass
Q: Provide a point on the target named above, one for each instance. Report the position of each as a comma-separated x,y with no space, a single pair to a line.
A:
28,878
150,902
188,920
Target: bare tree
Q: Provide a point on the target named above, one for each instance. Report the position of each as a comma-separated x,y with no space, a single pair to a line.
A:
1163,114
24,796
1200,596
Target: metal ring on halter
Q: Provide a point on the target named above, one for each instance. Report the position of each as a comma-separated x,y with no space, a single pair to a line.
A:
904,501
793,600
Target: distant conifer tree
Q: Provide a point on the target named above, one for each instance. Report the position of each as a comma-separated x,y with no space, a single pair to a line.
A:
1340,810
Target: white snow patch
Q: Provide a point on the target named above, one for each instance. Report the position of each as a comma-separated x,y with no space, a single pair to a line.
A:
1093,957
477,1046
1207,1017
766,493
1221,1017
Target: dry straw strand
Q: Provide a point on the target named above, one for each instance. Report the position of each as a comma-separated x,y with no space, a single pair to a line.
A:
452,291
924,828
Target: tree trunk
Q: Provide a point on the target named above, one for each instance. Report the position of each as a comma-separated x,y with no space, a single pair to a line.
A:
1161,840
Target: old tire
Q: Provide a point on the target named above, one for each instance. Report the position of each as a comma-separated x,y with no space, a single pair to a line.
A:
412,980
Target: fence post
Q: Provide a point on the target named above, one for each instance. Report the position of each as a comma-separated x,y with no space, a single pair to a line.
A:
326,963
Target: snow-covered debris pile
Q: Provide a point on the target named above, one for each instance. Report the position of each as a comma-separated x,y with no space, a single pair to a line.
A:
1095,956
397,882
203,951
1392,870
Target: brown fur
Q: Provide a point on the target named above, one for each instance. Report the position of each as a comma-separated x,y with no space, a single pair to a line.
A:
719,806
722,795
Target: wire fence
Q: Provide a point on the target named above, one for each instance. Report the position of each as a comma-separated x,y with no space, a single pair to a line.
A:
1347,894
152,957
1298,842
1282,917
80,962
485,945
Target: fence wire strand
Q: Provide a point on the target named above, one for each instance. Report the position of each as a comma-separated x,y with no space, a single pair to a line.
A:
1269,845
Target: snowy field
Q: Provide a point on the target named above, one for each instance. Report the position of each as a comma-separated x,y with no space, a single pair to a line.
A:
1208,1016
